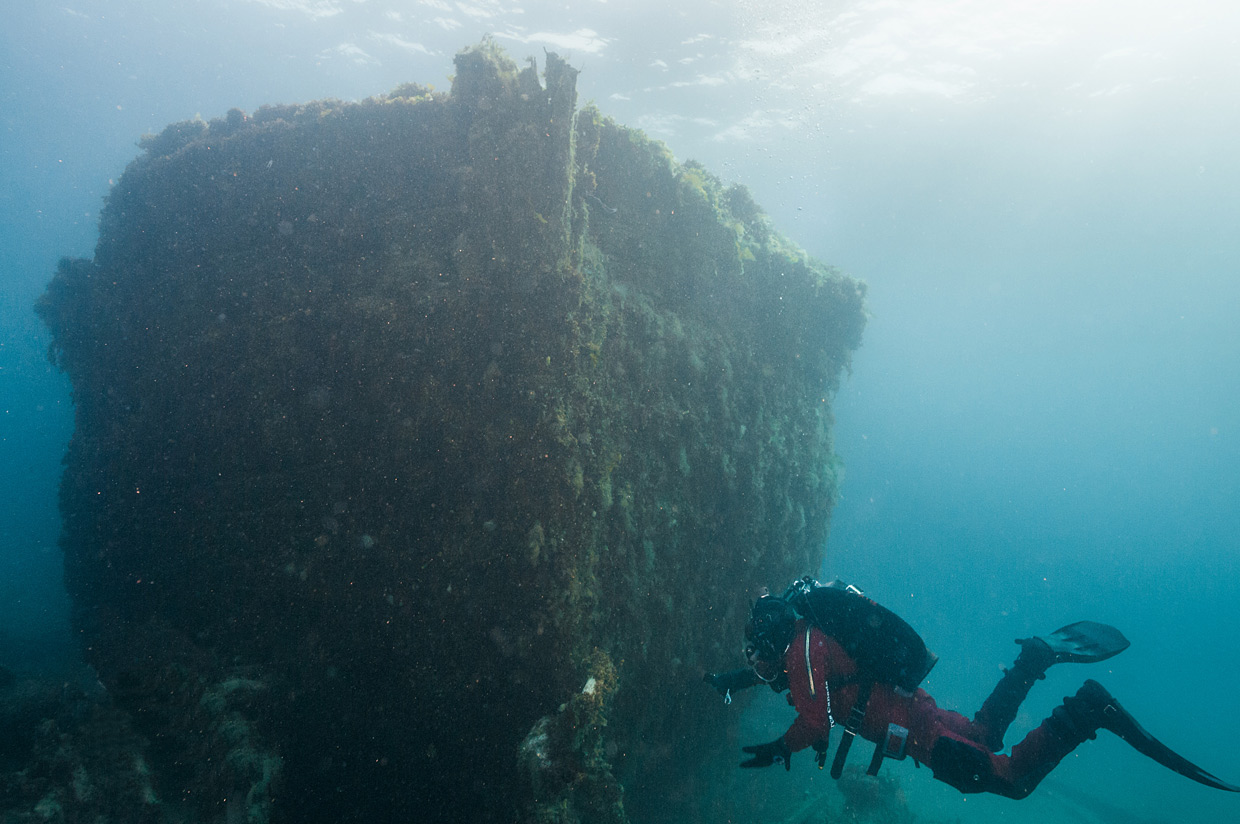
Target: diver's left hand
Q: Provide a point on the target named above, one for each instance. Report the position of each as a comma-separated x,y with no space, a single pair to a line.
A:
764,755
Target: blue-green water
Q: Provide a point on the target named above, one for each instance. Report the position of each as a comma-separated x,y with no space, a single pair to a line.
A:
1043,423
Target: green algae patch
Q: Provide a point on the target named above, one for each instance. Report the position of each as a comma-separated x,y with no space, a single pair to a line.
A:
421,412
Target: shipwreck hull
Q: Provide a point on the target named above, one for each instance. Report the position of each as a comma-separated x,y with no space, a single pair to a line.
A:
400,421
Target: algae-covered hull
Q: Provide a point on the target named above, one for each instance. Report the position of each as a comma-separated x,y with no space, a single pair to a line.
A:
427,451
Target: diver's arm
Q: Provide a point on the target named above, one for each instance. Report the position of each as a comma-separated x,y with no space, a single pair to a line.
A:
738,679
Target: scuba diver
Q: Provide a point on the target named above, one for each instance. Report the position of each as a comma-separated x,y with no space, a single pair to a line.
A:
845,659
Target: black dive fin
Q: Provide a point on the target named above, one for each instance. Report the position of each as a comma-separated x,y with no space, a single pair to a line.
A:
1120,722
1085,642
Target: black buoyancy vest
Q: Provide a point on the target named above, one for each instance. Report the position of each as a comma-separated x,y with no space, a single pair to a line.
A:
882,643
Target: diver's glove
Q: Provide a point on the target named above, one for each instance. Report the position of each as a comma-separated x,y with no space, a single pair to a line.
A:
764,755
737,679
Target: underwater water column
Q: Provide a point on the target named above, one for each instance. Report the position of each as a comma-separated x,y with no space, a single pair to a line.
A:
428,449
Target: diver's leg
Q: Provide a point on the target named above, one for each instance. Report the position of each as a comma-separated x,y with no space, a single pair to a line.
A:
1083,642
947,742
967,766
999,710
1077,720
1067,727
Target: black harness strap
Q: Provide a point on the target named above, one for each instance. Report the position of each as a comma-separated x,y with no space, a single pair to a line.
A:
855,716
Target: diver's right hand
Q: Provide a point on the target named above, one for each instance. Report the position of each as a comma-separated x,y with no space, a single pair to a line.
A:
716,680
738,679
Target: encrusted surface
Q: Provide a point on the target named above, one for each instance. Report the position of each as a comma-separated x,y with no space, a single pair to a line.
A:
399,420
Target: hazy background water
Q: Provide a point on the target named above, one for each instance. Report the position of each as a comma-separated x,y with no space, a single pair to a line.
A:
1043,423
